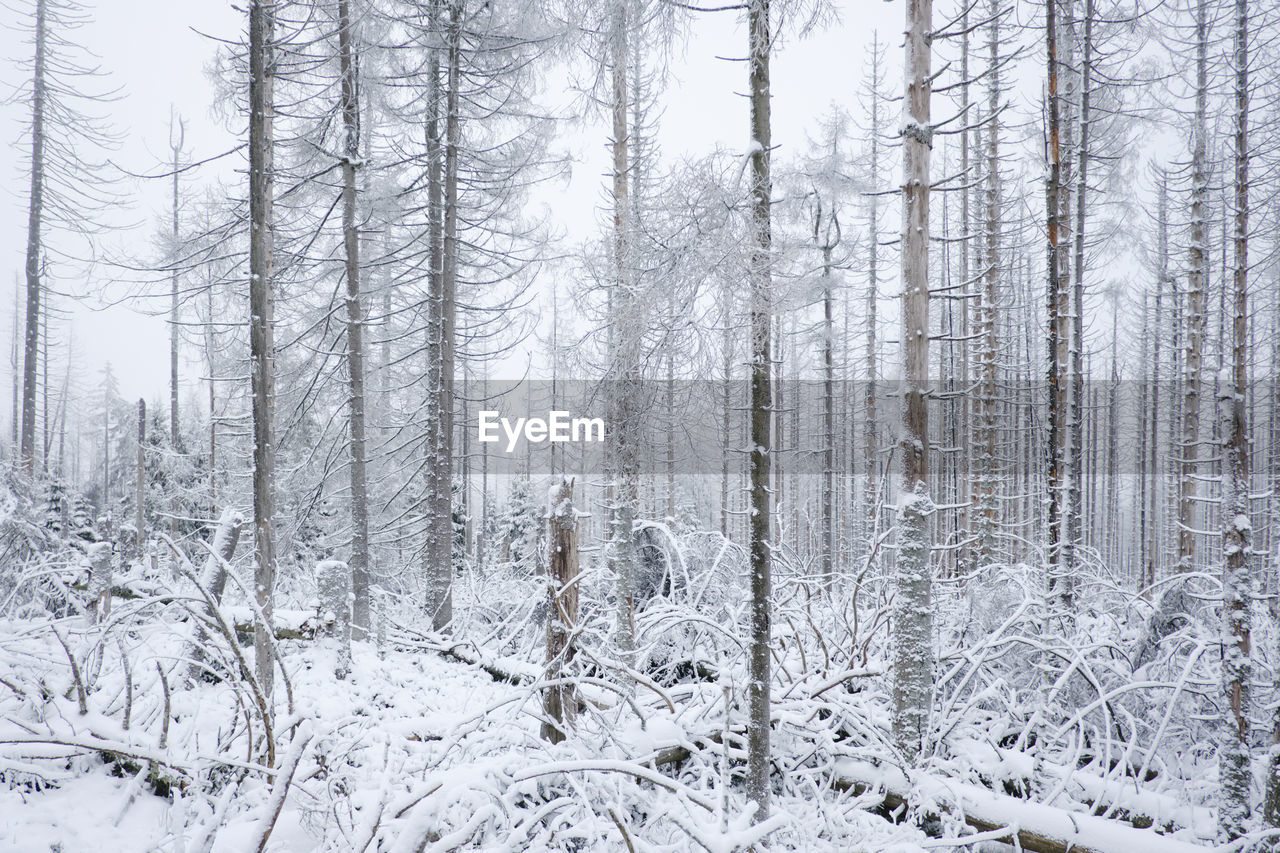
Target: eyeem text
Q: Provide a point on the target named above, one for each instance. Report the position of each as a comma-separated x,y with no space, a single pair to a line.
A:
558,426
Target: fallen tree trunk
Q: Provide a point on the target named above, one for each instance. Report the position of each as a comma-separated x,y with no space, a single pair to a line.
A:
1038,828
225,539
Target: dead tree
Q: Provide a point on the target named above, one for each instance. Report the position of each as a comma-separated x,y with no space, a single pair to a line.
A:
214,579
912,641
261,309
1234,770
333,583
1197,280
559,699
140,490
355,326
760,278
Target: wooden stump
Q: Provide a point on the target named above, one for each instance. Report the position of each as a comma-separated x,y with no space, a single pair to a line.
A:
559,700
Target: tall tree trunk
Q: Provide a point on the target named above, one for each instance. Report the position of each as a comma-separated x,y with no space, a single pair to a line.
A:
443,515
15,358
625,352
35,215
871,497
432,552
261,311
1082,76
140,487
1057,320
359,562
1197,278
988,477
1162,277
826,231
1237,531
175,145
760,277
912,641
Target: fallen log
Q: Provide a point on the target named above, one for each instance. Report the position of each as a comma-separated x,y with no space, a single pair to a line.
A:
1037,827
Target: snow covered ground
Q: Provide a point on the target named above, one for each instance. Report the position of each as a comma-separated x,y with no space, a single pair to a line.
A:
433,742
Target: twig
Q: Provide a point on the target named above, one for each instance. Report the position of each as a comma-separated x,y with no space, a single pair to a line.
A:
75,673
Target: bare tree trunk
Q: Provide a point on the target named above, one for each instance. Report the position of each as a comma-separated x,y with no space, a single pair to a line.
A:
760,282
433,552
988,475
261,310
1162,251
448,309
1057,320
826,232
359,562
442,204
912,640
1146,437
1076,521
726,409
209,344
625,354
333,585
871,439
1234,770
1197,279
44,387
35,215
214,578
560,700
15,359
141,484
175,145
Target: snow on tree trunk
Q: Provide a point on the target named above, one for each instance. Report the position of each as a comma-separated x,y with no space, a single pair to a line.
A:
1058,580
1197,280
1233,755
214,577
333,583
99,582
355,327
760,547
443,213
261,343
912,605
988,480
35,212
1234,771
140,487
175,146
871,438
560,701
626,350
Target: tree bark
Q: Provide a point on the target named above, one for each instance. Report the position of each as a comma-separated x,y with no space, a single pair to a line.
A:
1197,279
1237,531
560,700
35,213
988,475
1056,324
626,353
359,563
214,578
261,335
140,491
175,438
912,640
760,283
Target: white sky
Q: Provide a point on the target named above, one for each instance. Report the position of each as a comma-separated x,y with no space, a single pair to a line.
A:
155,53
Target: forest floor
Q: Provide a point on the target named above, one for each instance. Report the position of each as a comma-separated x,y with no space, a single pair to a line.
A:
1065,736
411,736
